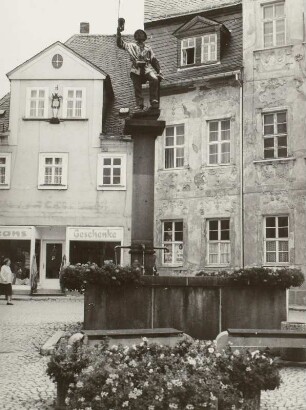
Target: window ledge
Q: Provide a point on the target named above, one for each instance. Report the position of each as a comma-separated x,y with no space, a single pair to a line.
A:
227,265
111,187
274,160
216,165
174,169
273,48
42,186
49,119
4,186
191,67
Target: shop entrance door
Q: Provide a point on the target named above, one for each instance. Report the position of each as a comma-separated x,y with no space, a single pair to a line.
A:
51,262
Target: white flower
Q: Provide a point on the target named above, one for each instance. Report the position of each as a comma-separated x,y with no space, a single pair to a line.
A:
211,349
81,399
162,356
151,407
190,407
79,384
109,381
236,352
173,406
145,339
104,394
114,389
146,384
248,369
125,404
150,370
98,398
212,397
191,361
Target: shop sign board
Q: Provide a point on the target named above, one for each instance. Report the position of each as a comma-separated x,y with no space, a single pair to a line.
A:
16,232
96,234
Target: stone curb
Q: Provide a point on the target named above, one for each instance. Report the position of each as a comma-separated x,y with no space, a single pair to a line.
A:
50,344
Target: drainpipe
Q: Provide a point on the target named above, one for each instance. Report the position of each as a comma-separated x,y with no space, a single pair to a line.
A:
239,80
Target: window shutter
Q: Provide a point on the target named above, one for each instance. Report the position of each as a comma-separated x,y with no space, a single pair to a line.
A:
28,96
41,170
83,115
65,170
65,95
47,102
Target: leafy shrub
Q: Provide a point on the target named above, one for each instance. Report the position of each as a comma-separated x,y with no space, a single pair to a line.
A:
282,278
67,361
75,277
191,375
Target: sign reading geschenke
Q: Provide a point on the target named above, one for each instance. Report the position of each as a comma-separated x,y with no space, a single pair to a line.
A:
16,232
95,234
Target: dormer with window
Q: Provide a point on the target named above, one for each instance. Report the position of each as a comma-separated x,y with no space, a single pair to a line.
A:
200,42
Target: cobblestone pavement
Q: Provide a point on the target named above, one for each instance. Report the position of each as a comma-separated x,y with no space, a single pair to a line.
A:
26,326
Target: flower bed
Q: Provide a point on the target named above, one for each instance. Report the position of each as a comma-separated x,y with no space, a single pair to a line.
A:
75,277
191,375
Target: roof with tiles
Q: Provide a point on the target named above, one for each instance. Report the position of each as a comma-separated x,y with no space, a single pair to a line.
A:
102,51
162,9
4,118
166,46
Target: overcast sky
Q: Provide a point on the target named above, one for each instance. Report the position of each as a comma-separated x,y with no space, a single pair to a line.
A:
29,26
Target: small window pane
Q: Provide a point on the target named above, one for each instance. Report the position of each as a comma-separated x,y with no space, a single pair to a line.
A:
270,233
269,143
283,232
116,171
282,152
117,161
270,221
169,158
170,131
180,129
213,126
279,10
271,246
106,171
180,140
268,12
283,221
107,161
169,141
106,180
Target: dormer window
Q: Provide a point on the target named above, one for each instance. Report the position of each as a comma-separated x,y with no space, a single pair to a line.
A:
200,41
188,51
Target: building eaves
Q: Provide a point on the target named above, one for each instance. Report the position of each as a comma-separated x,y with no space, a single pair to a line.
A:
46,49
160,10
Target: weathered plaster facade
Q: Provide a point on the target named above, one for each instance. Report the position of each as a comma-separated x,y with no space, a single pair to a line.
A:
274,80
198,191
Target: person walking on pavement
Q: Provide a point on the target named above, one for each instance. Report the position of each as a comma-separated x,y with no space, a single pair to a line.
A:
6,279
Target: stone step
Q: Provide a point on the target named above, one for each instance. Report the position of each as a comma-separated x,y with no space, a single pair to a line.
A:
129,337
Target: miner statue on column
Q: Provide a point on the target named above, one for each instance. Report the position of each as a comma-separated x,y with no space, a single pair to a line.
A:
145,66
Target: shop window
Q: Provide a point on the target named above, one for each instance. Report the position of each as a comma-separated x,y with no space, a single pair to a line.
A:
93,251
37,102
274,24
275,135
174,146
18,251
74,102
276,239
53,171
219,145
219,246
5,169
173,241
111,173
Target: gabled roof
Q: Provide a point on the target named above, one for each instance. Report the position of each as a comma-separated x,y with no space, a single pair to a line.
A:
4,118
48,48
196,22
163,9
102,51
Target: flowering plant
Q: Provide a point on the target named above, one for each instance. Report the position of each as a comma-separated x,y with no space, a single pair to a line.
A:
67,361
191,375
75,277
282,278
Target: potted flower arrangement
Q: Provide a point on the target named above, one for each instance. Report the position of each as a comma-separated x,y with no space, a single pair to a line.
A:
191,375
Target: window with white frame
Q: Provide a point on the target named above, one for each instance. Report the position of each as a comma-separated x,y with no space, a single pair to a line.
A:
219,246
188,51
174,146
37,102
219,145
276,239
111,173
5,168
53,171
173,241
275,135
209,48
74,102
274,24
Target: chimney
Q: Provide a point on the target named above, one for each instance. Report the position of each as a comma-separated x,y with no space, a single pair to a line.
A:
84,28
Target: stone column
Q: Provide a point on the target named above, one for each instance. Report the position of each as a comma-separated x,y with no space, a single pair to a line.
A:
144,128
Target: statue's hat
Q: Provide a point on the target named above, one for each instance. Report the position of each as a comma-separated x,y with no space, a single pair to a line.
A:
140,31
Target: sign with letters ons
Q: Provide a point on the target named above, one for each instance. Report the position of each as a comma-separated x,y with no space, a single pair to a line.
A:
16,232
